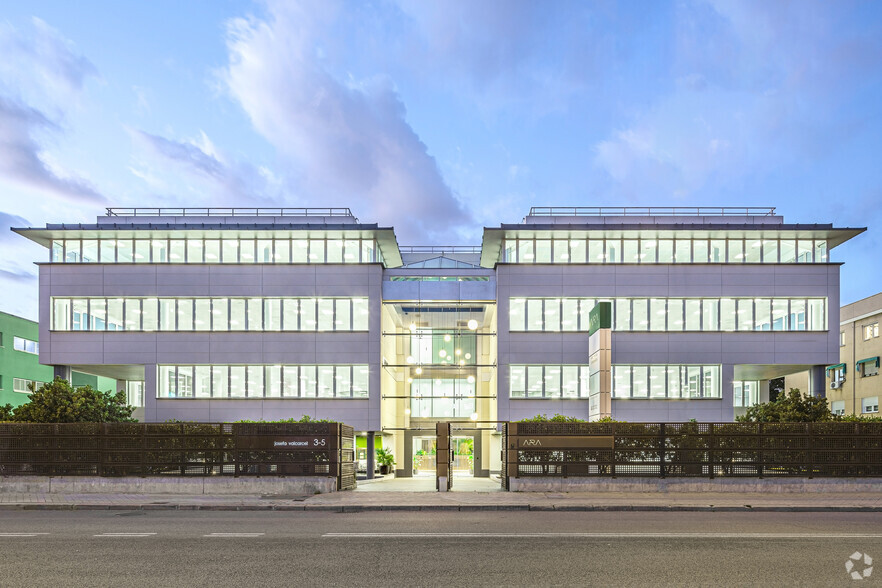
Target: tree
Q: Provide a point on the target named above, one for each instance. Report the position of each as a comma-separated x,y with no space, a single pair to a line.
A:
5,413
793,407
59,402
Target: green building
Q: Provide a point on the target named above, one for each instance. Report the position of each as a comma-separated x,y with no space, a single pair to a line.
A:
20,362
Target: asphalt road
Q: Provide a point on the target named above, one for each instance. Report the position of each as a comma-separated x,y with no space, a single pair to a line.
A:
179,548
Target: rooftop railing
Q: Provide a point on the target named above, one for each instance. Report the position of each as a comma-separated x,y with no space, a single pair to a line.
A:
439,248
230,212
652,211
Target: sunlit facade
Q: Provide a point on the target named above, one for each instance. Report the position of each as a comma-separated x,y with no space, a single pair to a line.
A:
264,314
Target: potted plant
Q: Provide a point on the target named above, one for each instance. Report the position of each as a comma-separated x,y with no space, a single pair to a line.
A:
385,459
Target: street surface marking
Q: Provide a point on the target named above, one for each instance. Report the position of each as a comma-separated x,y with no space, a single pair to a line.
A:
21,534
610,535
234,535
125,535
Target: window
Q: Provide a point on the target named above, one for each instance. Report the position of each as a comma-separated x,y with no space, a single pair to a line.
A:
871,331
870,404
666,381
548,381
262,381
21,385
842,338
837,407
745,394
26,345
868,367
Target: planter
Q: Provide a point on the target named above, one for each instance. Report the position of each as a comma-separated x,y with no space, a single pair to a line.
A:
384,469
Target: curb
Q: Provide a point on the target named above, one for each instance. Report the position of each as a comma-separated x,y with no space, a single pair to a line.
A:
433,508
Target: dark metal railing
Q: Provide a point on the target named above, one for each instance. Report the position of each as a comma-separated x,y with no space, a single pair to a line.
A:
439,248
709,450
179,449
237,211
652,211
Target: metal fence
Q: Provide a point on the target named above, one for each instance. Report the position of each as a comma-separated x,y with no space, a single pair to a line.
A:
179,449
708,450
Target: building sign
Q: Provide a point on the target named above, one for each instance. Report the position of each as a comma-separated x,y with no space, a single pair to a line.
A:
566,442
600,361
283,442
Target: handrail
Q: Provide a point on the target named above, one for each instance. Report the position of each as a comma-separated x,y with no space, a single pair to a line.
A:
439,248
235,211
652,211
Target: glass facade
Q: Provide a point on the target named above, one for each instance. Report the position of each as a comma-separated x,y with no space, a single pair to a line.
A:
198,250
209,314
548,381
442,398
672,314
262,381
687,250
666,381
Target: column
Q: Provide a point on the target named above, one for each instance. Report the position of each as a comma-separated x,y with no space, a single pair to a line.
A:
371,455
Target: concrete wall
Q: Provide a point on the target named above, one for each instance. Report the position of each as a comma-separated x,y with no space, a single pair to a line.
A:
785,349
146,350
222,485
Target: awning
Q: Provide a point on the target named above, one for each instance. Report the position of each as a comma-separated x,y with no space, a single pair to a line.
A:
838,366
869,360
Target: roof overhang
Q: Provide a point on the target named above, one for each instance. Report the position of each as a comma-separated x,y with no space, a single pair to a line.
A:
493,237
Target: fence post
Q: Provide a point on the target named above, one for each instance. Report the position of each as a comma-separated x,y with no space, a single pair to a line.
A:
661,450
761,452
101,431
811,450
143,444
235,450
612,464
710,450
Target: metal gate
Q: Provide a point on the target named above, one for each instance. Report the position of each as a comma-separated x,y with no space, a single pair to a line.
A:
443,457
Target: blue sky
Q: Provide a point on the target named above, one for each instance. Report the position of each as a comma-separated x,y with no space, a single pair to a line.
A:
439,118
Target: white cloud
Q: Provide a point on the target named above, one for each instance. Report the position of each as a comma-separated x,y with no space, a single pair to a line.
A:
40,73
210,176
347,141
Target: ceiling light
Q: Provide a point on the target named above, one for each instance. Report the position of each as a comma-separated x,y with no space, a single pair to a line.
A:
473,325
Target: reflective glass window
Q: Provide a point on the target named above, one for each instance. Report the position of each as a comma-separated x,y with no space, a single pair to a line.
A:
699,251
212,251
149,314
237,381
693,315
804,251
666,251
569,314
682,251
255,375
763,309
535,320
820,252
639,314
308,381
658,314
124,251
623,314
350,251
543,251
220,310
325,381
72,250
648,250
561,251
98,312
246,251
728,315
300,251
237,314
115,320
578,251
133,314
265,251
745,314
308,314
570,381
202,381
142,251
613,251
57,251
717,251
552,314
316,251
167,314
797,314
675,314
595,251
788,251
640,381
621,381
255,314
230,251
326,314
61,314
107,250
177,252
291,379
185,314
753,250
770,251
90,251
736,250
343,314
552,381
202,314
290,314
360,381
657,387
535,381
195,251
282,251
779,315
817,314
159,250
630,251
335,251
517,313
360,314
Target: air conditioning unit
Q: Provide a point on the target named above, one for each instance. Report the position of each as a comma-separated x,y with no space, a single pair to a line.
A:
835,385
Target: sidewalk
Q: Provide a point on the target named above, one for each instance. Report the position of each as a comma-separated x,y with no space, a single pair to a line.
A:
360,501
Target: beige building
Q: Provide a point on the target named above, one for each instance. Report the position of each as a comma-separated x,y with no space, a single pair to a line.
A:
854,385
